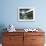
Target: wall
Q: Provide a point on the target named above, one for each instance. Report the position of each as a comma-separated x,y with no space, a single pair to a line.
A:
8,13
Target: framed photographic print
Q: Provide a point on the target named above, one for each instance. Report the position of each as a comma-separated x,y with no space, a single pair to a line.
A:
26,14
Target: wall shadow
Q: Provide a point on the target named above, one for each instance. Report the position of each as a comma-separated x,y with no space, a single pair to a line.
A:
2,29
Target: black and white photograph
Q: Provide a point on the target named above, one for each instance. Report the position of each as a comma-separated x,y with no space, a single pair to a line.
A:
26,14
